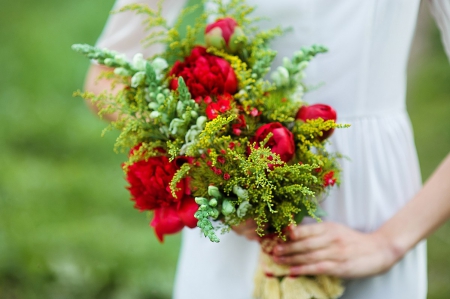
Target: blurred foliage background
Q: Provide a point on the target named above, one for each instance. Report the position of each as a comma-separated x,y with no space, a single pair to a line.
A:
67,229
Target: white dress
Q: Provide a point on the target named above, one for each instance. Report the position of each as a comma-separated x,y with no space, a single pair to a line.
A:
364,78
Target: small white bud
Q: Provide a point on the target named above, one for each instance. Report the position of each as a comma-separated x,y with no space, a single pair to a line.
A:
121,59
227,208
154,114
153,105
121,71
160,98
201,120
213,202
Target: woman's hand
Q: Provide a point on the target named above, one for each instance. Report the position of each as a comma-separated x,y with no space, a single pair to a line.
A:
334,249
247,229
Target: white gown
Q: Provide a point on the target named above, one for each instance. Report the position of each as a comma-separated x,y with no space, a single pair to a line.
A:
364,78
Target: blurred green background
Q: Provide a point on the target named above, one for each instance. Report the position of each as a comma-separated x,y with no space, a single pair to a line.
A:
67,229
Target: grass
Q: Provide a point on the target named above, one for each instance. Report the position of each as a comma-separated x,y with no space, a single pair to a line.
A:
67,229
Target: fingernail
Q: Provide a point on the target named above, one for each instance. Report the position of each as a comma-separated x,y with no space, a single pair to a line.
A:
294,271
279,248
278,260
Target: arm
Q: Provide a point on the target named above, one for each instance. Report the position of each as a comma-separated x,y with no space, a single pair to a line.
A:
93,84
425,213
123,33
329,248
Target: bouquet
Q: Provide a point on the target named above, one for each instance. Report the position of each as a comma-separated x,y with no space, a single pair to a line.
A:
213,142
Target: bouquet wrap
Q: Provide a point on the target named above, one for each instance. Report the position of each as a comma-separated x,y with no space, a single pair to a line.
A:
275,281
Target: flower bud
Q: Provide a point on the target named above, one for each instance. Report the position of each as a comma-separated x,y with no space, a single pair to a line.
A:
281,76
109,62
240,192
139,62
201,200
201,120
243,209
225,34
159,65
153,105
214,213
227,207
175,125
154,114
120,59
214,192
213,202
122,72
194,114
318,111
137,79
160,98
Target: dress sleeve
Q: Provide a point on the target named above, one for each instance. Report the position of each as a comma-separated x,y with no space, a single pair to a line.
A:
441,12
124,31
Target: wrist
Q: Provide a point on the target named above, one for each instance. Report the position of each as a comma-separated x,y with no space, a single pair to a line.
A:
392,249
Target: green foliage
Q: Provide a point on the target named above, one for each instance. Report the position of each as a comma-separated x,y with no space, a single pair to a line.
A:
239,10
288,76
179,46
269,190
154,21
208,136
179,175
276,107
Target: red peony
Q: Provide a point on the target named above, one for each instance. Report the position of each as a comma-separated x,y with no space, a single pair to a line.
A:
281,142
149,183
223,34
172,219
149,186
166,221
315,111
186,211
205,74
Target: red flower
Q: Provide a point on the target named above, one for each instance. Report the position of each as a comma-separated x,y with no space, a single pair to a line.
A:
207,100
315,111
221,160
241,124
149,183
172,219
217,171
166,221
204,74
149,187
221,106
186,211
328,179
226,176
255,112
281,142
223,34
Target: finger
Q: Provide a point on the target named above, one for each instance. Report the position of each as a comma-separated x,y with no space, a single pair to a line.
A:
247,225
307,258
303,245
323,267
307,230
251,235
